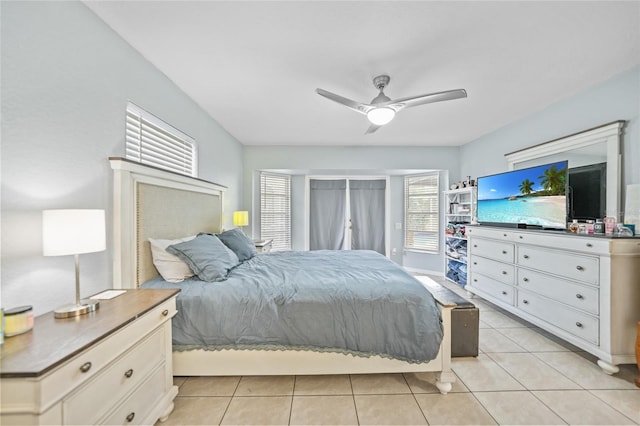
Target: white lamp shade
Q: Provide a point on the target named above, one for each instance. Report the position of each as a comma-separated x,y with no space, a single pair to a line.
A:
66,232
241,218
381,116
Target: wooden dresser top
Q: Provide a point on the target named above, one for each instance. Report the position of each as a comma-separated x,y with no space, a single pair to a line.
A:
53,341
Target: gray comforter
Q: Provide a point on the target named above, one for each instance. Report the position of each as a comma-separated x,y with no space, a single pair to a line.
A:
345,301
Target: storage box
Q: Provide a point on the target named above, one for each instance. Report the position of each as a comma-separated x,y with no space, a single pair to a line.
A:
464,330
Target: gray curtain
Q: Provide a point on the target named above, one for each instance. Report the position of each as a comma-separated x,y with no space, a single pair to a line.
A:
367,199
328,209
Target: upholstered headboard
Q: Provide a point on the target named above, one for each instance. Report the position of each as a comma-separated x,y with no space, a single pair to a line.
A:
153,203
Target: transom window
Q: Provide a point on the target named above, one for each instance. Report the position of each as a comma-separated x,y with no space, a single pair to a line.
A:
151,141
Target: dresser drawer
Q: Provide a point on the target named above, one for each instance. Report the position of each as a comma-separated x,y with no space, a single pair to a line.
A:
491,249
89,402
493,288
493,233
491,268
576,295
585,244
135,409
580,268
86,365
572,321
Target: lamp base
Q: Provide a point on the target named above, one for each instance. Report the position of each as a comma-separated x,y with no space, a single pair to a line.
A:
85,307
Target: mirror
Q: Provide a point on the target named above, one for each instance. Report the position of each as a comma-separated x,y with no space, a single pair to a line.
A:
598,145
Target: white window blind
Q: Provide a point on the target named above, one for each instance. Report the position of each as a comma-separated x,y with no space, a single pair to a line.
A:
275,210
421,212
151,141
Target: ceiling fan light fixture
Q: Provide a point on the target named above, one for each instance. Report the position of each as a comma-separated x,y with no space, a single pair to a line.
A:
381,116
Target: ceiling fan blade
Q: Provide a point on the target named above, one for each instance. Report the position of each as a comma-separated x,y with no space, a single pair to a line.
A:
356,106
372,129
412,101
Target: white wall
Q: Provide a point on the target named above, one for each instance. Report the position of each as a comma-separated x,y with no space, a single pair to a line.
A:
345,160
614,99
66,80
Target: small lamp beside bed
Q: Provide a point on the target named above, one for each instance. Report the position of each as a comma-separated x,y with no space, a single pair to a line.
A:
241,219
73,232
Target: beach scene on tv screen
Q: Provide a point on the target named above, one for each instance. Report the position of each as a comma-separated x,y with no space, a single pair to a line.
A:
533,196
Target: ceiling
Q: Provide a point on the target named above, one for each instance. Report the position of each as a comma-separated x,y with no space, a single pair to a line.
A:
254,65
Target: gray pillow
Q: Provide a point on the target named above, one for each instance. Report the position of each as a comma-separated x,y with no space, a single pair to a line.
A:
207,257
238,241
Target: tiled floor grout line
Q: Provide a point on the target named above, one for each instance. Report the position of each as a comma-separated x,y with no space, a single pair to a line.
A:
413,394
293,393
353,398
233,394
600,399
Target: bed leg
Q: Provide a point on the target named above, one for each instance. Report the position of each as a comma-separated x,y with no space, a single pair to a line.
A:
445,381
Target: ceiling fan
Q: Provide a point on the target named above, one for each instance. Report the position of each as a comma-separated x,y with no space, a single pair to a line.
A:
382,109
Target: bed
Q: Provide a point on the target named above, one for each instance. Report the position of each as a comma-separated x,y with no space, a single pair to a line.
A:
152,203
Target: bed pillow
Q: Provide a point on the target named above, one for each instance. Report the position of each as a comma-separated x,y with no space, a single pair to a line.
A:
170,267
239,242
207,257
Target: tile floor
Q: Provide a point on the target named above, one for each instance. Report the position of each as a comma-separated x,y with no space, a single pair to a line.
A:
522,375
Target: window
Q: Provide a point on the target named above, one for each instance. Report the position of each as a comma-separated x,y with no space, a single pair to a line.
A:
421,212
151,141
275,210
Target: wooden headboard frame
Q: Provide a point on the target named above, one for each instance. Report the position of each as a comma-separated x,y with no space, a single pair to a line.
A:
152,203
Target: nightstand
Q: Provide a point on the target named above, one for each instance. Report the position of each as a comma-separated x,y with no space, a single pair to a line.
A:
112,366
263,246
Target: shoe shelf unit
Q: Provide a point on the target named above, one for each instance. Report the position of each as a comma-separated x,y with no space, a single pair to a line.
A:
460,210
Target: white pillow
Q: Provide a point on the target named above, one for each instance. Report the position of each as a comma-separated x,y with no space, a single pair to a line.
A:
170,267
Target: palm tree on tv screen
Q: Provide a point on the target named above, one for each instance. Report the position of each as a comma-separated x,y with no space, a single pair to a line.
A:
526,187
554,180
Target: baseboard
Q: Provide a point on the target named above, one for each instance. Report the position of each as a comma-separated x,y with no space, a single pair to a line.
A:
424,271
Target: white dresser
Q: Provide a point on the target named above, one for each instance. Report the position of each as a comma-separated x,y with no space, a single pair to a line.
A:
584,289
112,366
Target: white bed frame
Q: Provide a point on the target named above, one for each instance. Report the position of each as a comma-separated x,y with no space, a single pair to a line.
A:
150,202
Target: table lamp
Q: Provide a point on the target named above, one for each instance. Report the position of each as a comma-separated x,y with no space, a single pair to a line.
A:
73,232
241,219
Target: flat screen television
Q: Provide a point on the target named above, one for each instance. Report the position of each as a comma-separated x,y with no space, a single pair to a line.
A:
533,197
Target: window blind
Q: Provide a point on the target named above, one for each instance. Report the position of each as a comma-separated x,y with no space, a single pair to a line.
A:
421,212
151,141
275,210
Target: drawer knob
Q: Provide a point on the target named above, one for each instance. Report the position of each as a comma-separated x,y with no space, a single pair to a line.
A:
165,312
504,272
130,417
589,245
504,252
526,256
504,235
504,293
579,324
128,373
525,279
521,237
580,268
579,296
525,301
475,246
475,263
475,280
85,367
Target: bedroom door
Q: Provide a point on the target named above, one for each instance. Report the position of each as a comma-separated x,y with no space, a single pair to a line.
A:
348,214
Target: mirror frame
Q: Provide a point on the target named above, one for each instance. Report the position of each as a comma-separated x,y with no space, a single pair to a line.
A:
608,133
